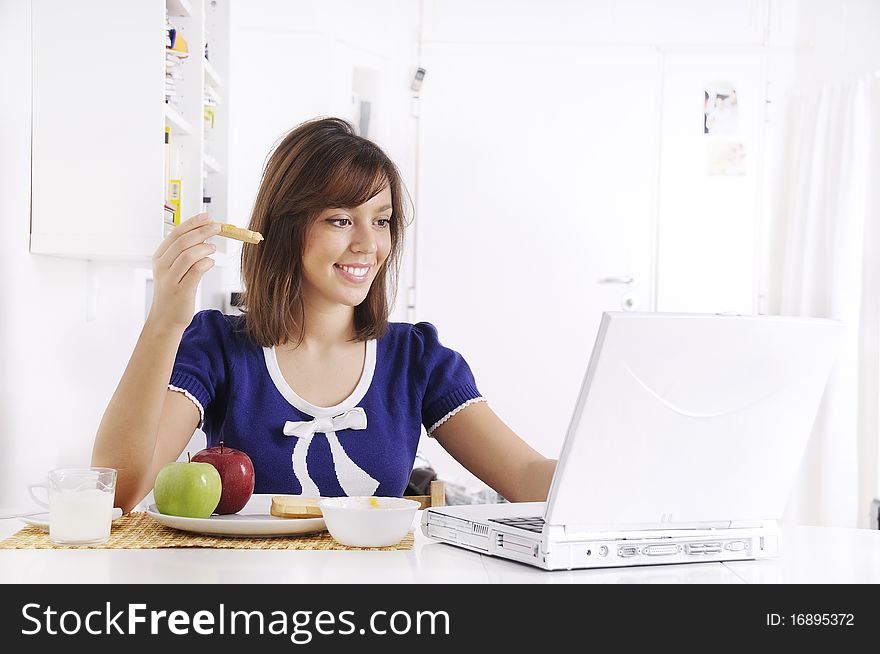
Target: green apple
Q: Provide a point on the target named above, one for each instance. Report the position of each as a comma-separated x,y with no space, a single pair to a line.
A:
189,490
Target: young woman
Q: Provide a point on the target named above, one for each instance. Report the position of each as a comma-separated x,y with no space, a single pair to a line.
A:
311,381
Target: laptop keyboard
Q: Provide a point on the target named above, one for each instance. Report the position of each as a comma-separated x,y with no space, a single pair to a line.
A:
535,523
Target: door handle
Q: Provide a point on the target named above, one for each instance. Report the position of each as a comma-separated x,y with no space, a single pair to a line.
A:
626,279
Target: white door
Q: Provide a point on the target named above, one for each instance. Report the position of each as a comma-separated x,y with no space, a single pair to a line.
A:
537,174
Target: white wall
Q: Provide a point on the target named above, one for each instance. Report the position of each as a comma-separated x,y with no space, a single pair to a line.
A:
69,326
709,224
293,61
706,245
617,22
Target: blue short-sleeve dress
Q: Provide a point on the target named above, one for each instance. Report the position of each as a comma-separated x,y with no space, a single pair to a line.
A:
365,445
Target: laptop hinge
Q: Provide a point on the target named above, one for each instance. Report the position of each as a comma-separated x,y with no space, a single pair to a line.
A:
555,532
579,532
751,524
647,527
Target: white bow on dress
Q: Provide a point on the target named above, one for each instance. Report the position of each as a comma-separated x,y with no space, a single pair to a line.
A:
353,480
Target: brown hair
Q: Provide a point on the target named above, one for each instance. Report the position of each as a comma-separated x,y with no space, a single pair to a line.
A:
319,164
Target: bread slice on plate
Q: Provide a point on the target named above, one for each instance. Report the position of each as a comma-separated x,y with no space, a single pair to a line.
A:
295,506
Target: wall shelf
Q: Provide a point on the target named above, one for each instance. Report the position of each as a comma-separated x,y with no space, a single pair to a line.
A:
211,164
212,77
176,121
179,8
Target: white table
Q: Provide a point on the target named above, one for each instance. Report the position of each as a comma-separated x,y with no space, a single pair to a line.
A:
809,555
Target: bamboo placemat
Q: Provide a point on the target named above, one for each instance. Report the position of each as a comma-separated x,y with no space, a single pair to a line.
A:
139,531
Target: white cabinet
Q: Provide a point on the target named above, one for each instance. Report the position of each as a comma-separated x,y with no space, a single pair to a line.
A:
99,116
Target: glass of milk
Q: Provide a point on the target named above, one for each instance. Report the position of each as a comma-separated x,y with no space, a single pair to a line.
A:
80,504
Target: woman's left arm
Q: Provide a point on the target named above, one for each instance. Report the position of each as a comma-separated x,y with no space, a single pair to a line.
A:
482,443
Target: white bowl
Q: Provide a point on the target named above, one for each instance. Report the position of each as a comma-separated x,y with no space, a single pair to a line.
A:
368,521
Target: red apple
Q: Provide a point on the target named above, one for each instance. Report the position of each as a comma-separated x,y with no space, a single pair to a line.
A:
236,473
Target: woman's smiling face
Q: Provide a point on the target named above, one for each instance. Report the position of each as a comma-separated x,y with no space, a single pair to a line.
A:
345,248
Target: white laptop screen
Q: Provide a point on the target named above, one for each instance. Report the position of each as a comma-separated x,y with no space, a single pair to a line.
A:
691,419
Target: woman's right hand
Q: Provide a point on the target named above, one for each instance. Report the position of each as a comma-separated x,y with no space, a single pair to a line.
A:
179,264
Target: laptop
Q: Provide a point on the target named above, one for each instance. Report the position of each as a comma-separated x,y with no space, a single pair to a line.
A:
684,444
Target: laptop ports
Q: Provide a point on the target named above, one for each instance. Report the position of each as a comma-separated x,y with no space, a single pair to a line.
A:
627,551
661,550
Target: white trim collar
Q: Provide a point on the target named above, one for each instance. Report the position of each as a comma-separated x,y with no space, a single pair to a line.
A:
319,411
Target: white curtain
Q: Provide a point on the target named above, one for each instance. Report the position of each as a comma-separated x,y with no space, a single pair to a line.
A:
831,270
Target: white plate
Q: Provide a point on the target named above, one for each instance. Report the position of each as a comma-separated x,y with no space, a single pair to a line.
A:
41,520
253,520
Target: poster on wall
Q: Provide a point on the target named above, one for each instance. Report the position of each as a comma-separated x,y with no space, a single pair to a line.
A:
720,110
725,153
725,158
